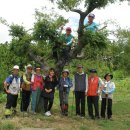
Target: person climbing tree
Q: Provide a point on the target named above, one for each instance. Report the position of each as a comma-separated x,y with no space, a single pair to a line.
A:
68,41
91,25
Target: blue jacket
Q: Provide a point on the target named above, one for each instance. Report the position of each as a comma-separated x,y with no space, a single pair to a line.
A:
65,82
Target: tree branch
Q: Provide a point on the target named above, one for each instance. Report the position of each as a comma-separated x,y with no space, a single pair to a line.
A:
38,59
77,11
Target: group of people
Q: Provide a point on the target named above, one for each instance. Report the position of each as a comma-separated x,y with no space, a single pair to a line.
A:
33,85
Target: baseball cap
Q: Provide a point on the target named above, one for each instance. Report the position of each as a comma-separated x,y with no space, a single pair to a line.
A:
68,29
79,66
91,15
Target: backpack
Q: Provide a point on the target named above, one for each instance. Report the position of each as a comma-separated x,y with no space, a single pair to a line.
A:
9,84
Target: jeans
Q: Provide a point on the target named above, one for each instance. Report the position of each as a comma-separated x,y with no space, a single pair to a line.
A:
35,99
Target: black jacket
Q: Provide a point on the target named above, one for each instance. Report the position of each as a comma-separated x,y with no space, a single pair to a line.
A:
50,85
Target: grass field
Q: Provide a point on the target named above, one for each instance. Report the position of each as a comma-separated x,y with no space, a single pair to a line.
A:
121,115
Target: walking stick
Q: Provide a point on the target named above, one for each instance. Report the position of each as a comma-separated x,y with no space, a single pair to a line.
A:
106,100
21,102
106,104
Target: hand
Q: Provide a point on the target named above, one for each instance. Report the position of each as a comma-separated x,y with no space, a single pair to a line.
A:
30,83
98,91
85,93
47,91
50,90
21,89
8,91
106,95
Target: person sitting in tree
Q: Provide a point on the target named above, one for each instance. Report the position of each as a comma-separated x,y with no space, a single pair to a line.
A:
68,41
91,25
12,88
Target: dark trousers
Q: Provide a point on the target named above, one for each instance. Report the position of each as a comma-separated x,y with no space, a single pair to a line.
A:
11,101
48,102
63,95
25,100
66,51
93,100
106,103
80,103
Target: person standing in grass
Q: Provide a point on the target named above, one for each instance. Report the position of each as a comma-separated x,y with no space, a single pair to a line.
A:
37,87
65,84
107,96
26,88
48,93
12,87
80,87
94,85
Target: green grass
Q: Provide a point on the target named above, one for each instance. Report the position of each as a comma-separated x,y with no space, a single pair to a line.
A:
121,115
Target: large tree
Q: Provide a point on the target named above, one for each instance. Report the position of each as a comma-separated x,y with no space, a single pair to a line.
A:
83,8
36,44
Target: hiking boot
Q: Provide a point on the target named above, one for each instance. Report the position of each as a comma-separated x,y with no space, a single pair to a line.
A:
110,118
97,117
7,116
66,113
78,115
14,112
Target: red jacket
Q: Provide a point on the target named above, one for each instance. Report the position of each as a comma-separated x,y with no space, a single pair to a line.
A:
93,86
38,82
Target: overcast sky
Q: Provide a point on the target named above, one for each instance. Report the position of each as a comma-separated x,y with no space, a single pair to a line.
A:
22,12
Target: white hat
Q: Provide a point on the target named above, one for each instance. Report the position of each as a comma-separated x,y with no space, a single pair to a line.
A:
29,66
16,67
65,70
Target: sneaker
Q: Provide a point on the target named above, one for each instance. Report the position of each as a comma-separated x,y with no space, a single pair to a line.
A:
47,114
34,113
82,117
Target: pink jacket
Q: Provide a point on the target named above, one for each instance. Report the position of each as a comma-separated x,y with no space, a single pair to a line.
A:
37,82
